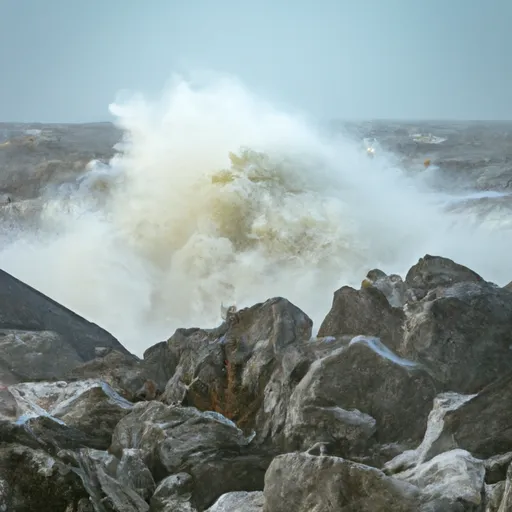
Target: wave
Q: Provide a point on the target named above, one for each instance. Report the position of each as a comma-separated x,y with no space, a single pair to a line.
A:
216,196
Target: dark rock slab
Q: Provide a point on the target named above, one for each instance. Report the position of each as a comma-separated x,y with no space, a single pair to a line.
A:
24,309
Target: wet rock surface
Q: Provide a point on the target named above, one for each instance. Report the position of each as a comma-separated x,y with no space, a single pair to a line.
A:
402,402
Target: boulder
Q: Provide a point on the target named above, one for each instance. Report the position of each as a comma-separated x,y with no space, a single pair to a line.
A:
257,415
482,424
477,423
182,439
132,378
290,367
67,415
133,473
448,481
97,470
174,494
120,371
303,482
364,312
33,480
434,442
357,396
432,272
245,369
463,333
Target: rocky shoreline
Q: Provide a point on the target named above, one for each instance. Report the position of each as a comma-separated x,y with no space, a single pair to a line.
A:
402,403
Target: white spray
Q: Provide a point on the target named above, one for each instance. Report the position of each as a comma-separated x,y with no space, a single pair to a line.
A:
215,197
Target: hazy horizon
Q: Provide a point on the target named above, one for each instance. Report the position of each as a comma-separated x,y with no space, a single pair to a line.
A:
332,120
333,59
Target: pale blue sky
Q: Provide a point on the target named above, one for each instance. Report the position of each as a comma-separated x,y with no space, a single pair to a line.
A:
64,60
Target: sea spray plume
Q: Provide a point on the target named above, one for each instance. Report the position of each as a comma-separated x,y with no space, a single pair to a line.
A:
218,197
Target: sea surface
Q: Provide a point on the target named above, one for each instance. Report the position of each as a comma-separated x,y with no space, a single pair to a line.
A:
213,196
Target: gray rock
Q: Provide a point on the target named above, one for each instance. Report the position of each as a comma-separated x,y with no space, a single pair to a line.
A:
125,374
225,473
496,467
482,424
435,271
26,309
506,500
215,407
159,364
363,312
33,480
66,415
96,412
174,494
52,436
392,286
302,483
357,396
119,497
477,423
133,473
240,502
204,444
8,404
448,481
434,442
37,355
494,496
246,369
97,470
463,333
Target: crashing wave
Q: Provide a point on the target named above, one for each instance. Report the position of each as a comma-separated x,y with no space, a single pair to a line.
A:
216,197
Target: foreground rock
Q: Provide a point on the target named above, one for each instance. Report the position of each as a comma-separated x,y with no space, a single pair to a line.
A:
204,445
302,482
33,480
463,333
246,369
401,403
359,396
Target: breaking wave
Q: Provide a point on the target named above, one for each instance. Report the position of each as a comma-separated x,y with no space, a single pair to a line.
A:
216,196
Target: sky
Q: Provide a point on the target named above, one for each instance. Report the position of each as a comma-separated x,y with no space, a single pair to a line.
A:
65,61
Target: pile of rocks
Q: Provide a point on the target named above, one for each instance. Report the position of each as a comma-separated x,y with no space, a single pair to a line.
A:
401,403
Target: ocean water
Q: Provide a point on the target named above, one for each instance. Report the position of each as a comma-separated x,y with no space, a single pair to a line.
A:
214,196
